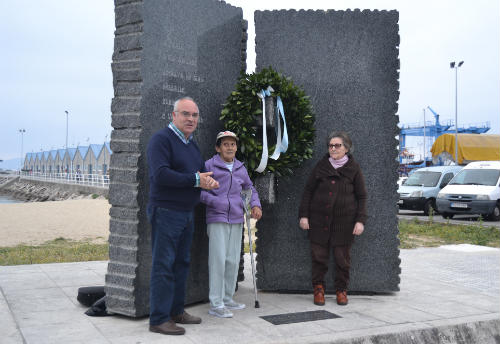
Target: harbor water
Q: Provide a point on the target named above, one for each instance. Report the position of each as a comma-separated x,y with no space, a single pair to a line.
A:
6,199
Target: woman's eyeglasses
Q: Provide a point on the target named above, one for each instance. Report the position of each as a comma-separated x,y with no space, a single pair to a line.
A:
335,145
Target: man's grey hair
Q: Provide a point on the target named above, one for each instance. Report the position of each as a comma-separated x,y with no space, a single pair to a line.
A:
346,140
176,104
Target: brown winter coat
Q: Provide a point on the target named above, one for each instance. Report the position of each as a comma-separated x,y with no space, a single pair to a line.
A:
333,201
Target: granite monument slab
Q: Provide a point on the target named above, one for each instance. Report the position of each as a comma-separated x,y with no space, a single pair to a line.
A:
164,50
347,62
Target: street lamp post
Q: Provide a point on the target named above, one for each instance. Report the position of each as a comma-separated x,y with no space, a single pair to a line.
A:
22,131
456,66
425,137
67,113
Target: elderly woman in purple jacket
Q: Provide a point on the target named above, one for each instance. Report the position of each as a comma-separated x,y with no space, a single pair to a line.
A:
225,211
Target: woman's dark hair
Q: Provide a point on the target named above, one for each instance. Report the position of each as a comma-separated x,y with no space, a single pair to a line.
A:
346,140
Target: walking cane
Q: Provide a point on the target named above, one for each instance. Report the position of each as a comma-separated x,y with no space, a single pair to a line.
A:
246,195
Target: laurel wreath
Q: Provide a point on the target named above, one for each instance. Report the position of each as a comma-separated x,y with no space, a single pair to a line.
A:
243,107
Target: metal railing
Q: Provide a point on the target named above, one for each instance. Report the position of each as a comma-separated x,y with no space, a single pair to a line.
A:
69,178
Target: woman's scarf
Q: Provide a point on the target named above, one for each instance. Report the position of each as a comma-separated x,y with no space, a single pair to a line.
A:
338,163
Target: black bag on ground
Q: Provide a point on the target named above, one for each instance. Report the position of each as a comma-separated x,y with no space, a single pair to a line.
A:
87,296
98,309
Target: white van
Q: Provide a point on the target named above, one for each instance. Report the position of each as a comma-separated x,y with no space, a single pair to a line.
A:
474,190
420,190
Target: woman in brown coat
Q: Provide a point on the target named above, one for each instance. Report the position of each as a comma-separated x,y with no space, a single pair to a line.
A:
333,211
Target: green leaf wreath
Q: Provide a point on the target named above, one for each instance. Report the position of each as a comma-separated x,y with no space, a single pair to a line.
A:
243,107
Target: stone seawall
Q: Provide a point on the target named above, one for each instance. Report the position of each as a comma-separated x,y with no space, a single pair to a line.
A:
6,181
30,190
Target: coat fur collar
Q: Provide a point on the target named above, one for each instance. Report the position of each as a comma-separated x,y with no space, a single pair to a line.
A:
325,168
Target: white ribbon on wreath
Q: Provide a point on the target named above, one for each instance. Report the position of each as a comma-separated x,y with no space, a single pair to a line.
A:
281,143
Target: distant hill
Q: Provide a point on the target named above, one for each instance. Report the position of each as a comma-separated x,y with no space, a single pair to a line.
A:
11,164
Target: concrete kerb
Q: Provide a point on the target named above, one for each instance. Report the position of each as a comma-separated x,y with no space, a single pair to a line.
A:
478,329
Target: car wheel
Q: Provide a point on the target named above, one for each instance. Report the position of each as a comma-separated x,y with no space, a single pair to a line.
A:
430,204
447,215
495,214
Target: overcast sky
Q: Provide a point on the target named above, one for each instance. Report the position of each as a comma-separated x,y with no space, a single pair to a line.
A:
56,56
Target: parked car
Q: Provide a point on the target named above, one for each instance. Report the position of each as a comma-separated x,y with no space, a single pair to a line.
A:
420,190
402,180
475,190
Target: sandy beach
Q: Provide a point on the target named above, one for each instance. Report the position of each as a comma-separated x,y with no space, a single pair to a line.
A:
34,223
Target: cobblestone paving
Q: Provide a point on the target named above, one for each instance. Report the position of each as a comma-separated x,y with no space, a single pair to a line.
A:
471,270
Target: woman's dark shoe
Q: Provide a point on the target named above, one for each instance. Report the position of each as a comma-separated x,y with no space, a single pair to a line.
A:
341,297
319,295
168,327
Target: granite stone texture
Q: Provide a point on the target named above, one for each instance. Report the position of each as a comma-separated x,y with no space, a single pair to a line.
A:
347,62
164,50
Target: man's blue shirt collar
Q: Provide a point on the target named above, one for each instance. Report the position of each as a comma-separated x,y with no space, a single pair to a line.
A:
180,134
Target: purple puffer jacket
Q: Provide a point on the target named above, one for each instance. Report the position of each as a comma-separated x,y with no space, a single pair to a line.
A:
225,204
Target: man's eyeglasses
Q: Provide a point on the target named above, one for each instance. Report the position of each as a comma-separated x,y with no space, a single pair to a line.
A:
335,145
187,114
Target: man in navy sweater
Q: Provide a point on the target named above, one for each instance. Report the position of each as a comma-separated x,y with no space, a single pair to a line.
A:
176,175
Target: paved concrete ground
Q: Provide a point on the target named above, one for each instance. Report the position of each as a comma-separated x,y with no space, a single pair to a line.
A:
448,295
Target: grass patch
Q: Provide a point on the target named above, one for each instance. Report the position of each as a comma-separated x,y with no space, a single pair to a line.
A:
59,250
412,234
415,233
94,196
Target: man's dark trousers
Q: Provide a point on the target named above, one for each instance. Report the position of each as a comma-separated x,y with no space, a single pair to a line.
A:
171,237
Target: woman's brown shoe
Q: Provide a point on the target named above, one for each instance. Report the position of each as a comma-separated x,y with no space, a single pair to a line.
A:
319,295
341,297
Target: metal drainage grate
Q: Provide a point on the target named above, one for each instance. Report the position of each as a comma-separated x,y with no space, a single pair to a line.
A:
291,318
